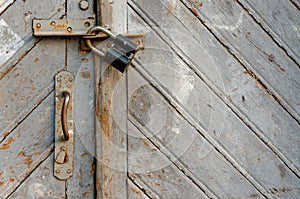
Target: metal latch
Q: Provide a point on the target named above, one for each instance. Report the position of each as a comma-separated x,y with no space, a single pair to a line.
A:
64,125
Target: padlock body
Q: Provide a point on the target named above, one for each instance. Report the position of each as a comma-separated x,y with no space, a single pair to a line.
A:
117,59
124,45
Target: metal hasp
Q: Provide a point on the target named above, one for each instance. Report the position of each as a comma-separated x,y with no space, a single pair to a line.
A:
64,125
63,27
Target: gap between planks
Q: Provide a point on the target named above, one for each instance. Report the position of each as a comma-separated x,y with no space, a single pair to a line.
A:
231,106
169,155
47,153
270,34
273,94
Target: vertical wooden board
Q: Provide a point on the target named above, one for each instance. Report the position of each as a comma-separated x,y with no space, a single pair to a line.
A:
41,184
254,49
217,72
111,152
81,65
29,82
281,20
27,146
175,134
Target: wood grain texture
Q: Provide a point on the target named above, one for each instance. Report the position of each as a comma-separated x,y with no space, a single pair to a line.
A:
236,145
81,65
229,82
26,147
134,192
258,53
111,152
281,20
41,184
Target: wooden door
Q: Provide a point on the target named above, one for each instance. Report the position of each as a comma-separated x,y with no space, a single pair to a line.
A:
209,109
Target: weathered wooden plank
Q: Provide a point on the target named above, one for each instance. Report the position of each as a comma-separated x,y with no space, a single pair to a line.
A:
156,172
187,146
41,183
219,72
18,39
254,49
81,65
166,74
26,147
281,20
111,152
134,192
28,83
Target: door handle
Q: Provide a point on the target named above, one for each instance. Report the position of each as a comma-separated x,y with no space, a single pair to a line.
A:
64,115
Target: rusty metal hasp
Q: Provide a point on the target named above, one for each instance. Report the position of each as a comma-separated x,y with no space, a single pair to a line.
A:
64,126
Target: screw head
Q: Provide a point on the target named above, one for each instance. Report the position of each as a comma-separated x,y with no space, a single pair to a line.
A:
38,25
57,171
58,80
68,171
70,79
138,42
108,45
69,29
52,23
83,4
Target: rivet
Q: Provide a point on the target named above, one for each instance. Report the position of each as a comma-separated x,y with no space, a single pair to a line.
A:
69,29
57,171
68,171
52,23
83,4
58,79
38,25
138,42
70,79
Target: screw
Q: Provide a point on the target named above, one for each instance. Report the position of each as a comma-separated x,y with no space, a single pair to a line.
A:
58,79
70,79
57,171
38,25
83,4
52,23
69,29
138,42
68,171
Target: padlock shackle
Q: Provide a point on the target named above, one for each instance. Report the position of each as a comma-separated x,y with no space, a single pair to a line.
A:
102,29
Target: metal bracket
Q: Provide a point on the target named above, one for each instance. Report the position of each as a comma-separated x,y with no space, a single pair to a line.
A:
63,27
64,125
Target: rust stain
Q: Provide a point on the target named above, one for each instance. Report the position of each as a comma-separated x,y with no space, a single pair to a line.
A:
106,128
98,183
36,144
157,184
84,155
36,59
5,134
1,173
86,193
1,183
28,161
21,154
11,169
86,74
93,169
195,11
133,190
282,170
37,153
170,9
201,4
11,179
146,143
7,143
84,59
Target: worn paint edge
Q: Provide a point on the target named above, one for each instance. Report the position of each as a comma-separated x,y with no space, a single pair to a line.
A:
227,102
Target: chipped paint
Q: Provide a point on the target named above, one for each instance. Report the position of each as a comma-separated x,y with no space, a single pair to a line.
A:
10,42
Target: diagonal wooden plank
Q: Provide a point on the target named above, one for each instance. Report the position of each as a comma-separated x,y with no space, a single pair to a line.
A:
175,134
240,95
281,20
258,53
235,144
134,192
27,84
162,178
41,183
26,147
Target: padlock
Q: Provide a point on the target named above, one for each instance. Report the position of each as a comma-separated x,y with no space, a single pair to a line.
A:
121,52
117,59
